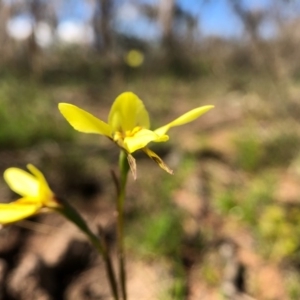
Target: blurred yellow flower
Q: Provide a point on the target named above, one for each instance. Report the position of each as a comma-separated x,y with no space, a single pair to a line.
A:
128,125
35,192
134,58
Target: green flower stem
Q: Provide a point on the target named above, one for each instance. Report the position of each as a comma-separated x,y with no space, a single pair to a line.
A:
124,168
71,214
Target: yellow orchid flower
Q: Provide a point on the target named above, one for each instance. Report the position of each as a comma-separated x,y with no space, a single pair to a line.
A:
35,192
128,125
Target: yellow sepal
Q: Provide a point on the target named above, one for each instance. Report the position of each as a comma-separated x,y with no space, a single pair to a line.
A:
158,160
46,196
128,112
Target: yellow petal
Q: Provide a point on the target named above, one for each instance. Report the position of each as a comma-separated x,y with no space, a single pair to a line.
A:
21,182
45,193
185,118
141,139
128,112
158,160
18,210
83,121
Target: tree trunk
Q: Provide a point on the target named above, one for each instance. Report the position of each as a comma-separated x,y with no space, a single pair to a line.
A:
166,11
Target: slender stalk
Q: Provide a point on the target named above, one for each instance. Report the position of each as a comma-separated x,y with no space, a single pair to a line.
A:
71,214
124,168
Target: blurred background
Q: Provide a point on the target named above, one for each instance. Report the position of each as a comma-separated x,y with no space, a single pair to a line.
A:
227,224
